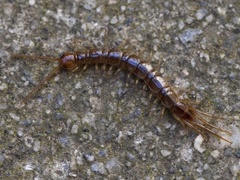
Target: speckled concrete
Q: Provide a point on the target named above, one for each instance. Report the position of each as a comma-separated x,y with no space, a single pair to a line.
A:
95,124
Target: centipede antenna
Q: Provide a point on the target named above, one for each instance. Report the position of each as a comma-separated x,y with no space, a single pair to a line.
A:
39,85
28,57
198,130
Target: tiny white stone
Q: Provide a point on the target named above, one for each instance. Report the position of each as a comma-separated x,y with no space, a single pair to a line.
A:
78,85
209,18
36,146
20,132
123,8
14,116
29,167
235,138
31,2
235,169
48,111
138,140
222,11
215,153
112,1
114,20
201,178
198,142
3,86
165,152
167,125
73,98
74,129
187,154
201,13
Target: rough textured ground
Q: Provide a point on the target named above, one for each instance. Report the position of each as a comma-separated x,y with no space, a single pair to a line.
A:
94,124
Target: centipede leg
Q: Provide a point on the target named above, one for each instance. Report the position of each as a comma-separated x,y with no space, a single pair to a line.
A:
197,130
209,131
40,84
210,125
209,115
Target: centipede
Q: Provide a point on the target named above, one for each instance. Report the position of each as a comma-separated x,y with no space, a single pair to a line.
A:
181,109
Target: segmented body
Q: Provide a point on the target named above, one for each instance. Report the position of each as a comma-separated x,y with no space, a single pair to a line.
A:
182,111
135,66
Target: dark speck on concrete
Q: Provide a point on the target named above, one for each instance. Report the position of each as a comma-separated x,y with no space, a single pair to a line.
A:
102,152
238,153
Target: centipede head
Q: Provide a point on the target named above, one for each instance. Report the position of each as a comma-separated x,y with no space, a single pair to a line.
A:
68,61
190,117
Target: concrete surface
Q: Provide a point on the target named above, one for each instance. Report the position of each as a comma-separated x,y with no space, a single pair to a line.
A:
94,124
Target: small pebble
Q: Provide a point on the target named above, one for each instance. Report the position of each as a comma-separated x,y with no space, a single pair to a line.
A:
79,160
14,116
89,157
2,158
198,143
131,157
187,154
63,140
205,167
201,13
74,129
222,11
29,167
89,118
167,125
20,132
28,141
90,5
31,2
114,20
36,146
215,154
200,178
113,165
112,1
204,56
3,106
189,35
181,25
235,169
189,20
209,18
165,153
102,152
3,86
78,85
98,167
8,8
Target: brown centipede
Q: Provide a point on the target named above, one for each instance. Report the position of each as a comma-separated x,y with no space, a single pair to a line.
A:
181,109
